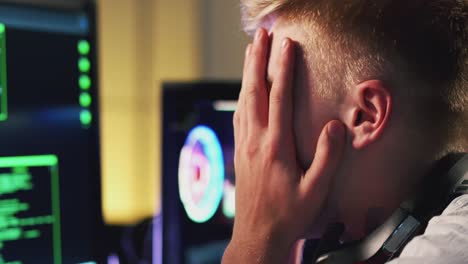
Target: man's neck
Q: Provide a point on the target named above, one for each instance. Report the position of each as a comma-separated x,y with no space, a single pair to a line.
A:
392,185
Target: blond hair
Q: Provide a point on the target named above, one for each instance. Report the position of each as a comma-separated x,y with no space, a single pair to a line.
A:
419,46
255,12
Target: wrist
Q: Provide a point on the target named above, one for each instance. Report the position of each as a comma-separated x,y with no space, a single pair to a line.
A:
259,250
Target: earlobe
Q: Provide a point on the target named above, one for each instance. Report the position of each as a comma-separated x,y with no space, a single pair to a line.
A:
369,109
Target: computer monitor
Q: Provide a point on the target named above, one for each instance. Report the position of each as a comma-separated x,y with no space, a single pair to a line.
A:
50,202
197,172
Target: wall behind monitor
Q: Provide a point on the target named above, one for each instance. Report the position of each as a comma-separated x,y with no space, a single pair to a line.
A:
141,43
223,41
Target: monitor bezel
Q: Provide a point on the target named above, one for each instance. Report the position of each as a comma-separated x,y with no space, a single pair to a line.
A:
192,92
99,244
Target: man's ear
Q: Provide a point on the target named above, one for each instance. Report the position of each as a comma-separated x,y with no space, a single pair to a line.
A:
367,112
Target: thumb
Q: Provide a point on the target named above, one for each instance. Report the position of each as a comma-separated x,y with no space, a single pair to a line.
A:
327,158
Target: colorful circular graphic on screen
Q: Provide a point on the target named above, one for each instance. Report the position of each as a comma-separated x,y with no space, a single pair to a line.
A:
201,174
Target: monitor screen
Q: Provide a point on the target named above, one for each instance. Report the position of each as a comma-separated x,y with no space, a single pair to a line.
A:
49,148
198,171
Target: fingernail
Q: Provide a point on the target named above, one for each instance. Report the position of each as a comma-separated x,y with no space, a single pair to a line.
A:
336,130
285,43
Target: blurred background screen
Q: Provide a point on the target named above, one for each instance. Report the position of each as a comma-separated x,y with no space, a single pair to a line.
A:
94,141
50,210
198,172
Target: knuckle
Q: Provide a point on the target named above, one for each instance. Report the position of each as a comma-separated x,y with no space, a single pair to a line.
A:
272,147
275,97
252,150
251,90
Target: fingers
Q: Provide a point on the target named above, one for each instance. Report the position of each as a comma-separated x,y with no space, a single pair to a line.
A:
240,123
281,95
328,155
254,83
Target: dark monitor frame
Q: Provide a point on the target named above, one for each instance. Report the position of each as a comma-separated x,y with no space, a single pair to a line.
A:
99,245
187,93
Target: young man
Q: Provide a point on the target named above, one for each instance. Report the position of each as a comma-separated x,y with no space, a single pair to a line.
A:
345,107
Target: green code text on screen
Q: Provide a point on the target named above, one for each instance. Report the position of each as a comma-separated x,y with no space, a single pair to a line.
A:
29,226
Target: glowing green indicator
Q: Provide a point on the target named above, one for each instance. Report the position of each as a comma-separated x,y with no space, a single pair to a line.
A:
3,74
85,82
84,65
83,47
86,117
85,99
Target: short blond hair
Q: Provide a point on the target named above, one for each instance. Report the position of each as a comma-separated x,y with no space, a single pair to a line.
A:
254,12
419,45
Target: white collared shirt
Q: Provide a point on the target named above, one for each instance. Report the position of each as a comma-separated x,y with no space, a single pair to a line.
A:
445,240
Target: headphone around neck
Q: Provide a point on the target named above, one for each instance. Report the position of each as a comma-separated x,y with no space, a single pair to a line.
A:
448,180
